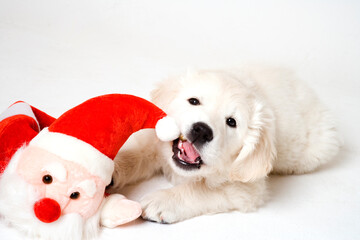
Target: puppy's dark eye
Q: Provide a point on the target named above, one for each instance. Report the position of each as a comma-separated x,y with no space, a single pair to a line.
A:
75,195
231,122
194,101
47,179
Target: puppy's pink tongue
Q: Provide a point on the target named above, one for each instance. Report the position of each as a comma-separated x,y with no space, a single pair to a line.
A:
188,152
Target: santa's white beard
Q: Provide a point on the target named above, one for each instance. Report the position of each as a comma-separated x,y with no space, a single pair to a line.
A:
17,199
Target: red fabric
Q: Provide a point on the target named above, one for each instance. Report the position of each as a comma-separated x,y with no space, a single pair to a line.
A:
107,121
15,131
47,210
18,130
43,119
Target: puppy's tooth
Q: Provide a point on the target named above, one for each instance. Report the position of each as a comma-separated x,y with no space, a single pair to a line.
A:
182,137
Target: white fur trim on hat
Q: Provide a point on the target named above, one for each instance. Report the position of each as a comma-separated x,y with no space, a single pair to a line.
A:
77,151
166,129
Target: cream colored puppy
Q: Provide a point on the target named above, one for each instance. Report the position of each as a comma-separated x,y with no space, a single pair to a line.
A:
237,127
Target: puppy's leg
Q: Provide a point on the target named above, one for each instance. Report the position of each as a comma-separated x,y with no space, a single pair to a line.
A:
323,140
137,160
193,199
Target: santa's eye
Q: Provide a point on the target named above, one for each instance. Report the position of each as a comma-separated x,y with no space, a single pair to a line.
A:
47,179
75,195
194,101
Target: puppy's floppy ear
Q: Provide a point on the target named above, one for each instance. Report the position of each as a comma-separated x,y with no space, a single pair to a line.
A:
258,152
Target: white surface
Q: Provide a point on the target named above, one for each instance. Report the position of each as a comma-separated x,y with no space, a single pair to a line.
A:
56,54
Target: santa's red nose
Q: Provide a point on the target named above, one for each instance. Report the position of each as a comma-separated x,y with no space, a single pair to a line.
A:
47,210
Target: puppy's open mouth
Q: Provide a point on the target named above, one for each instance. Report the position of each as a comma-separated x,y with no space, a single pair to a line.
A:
185,155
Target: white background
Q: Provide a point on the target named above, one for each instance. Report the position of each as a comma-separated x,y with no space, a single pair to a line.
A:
56,54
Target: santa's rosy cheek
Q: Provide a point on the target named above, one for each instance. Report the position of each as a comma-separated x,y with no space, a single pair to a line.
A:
83,204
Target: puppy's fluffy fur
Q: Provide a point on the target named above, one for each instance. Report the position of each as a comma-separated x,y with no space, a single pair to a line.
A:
280,126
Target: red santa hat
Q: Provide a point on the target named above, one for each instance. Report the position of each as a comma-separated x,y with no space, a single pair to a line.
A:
18,125
91,133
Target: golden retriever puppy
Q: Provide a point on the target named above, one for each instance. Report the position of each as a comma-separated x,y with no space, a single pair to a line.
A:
237,127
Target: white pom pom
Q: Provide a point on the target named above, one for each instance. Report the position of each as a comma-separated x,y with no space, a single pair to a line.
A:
166,129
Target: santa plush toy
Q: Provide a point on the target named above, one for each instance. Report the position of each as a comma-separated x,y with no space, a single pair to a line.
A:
54,171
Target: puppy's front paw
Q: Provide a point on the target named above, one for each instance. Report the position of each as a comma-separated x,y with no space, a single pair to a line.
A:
162,207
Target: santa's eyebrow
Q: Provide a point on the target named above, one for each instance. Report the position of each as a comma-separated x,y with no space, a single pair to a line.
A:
89,187
56,170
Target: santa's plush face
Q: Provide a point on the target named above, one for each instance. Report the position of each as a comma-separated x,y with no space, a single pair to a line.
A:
48,197
61,187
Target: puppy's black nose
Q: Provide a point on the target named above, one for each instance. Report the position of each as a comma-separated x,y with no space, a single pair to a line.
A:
200,133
